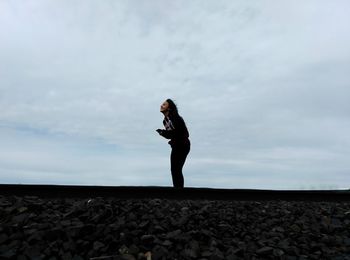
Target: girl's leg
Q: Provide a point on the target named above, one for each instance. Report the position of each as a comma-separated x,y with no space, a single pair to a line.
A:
177,160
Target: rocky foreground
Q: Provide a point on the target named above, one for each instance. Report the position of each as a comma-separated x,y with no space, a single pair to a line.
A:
32,227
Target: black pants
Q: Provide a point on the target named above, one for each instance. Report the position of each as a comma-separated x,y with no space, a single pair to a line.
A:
177,161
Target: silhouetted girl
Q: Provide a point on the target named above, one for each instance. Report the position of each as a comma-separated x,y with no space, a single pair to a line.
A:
176,130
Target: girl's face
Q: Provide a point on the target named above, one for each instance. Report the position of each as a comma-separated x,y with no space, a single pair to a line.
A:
164,107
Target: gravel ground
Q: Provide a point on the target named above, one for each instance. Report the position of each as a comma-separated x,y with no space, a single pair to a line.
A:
106,228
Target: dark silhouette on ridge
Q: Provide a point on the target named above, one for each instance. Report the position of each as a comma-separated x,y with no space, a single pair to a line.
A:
176,131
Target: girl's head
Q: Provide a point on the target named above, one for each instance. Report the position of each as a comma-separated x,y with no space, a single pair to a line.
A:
169,107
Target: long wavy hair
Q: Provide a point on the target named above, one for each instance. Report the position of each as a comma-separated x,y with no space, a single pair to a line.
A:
172,108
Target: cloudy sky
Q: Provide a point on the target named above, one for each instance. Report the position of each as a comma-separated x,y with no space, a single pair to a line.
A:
263,86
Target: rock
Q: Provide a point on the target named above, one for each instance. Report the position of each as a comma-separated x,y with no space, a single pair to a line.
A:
147,239
283,244
77,257
184,210
85,230
167,243
132,216
265,250
143,224
295,228
35,237
346,241
123,250
53,234
3,238
22,209
174,234
127,257
69,246
192,250
159,229
21,218
217,255
7,253
336,223
155,202
278,252
98,245
206,253
67,256
79,229
278,229
4,203
65,223
33,252
159,252
182,221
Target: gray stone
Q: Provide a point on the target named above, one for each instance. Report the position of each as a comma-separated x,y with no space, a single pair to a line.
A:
98,245
336,223
346,241
127,257
174,234
6,252
53,234
196,229
3,238
147,239
167,243
21,218
278,252
159,252
123,250
265,250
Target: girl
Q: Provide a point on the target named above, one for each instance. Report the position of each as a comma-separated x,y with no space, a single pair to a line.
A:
176,131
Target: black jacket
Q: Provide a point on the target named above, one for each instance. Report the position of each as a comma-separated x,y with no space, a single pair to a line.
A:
179,135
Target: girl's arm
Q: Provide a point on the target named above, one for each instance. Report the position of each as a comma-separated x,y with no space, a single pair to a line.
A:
179,126
168,134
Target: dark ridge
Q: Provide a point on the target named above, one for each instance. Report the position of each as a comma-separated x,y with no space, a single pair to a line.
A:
52,222
147,192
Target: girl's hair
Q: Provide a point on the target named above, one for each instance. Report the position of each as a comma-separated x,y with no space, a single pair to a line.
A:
172,107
